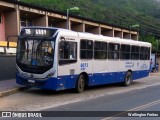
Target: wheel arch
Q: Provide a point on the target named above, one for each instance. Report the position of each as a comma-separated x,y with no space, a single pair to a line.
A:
125,81
81,82
86,77
126,73
129,71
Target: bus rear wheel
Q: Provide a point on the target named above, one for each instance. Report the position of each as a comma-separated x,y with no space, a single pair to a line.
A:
128,79
80,84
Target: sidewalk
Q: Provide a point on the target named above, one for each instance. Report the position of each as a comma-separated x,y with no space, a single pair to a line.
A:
155,74
8,87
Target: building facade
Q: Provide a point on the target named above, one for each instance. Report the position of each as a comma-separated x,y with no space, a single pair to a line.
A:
14,15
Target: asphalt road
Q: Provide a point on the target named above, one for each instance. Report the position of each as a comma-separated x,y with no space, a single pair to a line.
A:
118,102
142,95
146,99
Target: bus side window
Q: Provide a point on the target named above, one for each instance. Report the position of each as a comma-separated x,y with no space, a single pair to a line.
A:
135,52
125,52
67,52
100,50
86,49
148,55
113,51
144,53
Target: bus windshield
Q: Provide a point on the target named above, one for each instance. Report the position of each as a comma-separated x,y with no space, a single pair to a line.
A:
35,53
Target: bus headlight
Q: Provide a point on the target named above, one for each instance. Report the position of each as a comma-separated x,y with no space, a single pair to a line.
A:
51,74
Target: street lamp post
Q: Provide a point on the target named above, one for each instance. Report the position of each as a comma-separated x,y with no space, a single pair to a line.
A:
70,9
133,26
157,40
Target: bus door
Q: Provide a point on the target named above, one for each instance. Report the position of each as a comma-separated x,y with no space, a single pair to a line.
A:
67,63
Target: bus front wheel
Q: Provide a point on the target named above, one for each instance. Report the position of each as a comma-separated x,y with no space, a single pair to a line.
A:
128,79
80,84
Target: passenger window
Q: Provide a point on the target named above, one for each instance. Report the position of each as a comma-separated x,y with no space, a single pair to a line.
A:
125,52
135,52
113,51
86,49
100,50
149,53
144,53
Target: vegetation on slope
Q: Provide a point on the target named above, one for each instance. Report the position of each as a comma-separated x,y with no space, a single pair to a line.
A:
118,12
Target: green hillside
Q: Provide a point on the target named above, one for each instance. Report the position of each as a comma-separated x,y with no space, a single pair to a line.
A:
118,12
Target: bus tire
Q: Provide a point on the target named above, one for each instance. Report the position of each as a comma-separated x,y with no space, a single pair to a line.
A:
128,79
80,84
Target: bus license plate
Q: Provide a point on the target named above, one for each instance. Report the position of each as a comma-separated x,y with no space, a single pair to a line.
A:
31,81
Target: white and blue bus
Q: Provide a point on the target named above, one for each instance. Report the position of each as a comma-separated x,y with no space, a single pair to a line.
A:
58,59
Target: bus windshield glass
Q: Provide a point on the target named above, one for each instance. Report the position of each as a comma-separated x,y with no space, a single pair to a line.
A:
35,52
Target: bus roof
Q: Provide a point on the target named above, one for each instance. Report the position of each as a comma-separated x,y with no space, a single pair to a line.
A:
84,35
113,39
91,36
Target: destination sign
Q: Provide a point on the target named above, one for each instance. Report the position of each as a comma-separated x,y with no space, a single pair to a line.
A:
37,32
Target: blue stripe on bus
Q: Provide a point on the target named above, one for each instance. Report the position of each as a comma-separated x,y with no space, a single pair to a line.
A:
69,81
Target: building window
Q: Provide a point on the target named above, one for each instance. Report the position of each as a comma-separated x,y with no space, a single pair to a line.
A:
113,51
125,52
25,22
100,50
0,18
86,49
51,23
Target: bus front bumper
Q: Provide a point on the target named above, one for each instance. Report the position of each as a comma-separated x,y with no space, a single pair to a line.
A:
49,83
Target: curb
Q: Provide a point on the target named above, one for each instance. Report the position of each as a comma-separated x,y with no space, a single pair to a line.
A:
12,91
154,74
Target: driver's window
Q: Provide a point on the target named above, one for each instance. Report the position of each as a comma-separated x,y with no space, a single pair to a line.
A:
67,52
